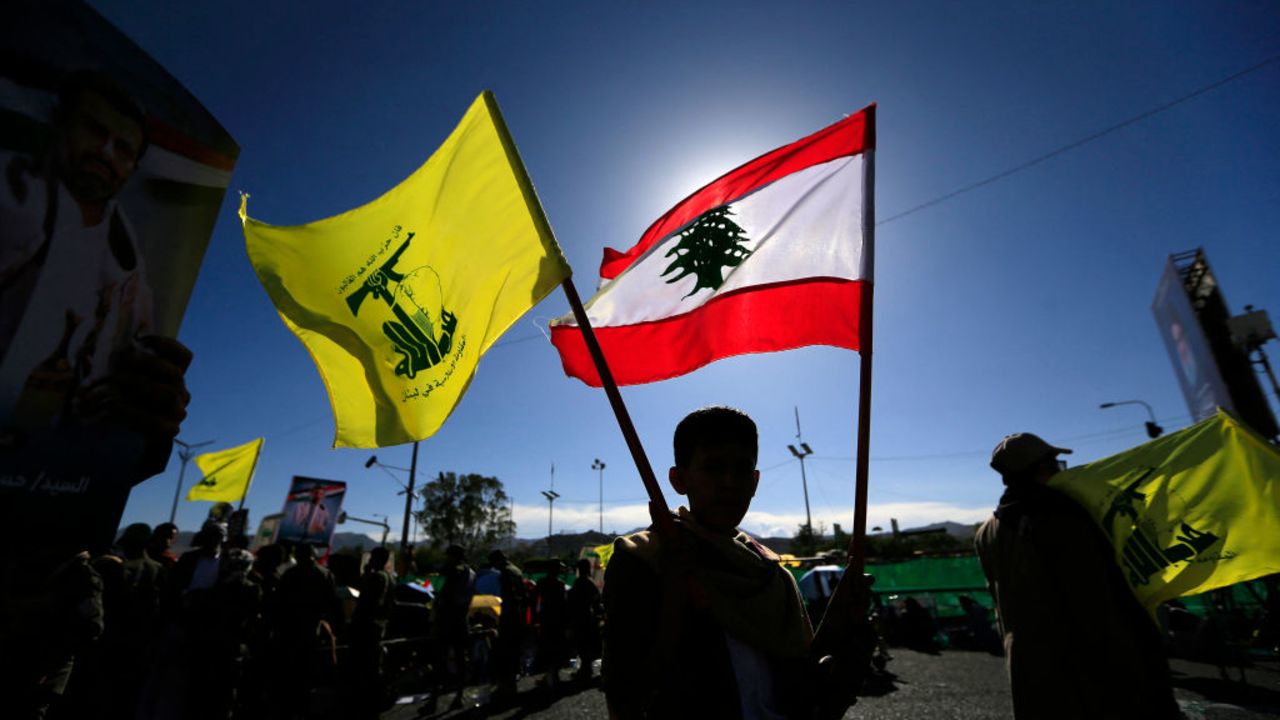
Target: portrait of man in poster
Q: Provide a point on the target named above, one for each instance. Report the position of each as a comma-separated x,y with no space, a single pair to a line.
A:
111,178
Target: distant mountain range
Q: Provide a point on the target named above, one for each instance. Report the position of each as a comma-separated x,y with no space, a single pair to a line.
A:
563,544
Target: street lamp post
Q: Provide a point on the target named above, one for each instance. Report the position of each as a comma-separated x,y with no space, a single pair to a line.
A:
1153,430
802,453
186,451
386,527
551,495
597,465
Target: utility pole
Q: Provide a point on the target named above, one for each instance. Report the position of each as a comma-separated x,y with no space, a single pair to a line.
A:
597,465
802,453
406,554
186,451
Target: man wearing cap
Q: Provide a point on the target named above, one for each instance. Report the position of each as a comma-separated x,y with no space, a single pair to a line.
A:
1077,643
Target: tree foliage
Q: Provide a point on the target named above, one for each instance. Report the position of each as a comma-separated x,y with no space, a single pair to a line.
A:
902,547
468,510
809,541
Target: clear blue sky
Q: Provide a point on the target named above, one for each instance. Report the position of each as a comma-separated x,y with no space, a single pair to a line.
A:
1019,306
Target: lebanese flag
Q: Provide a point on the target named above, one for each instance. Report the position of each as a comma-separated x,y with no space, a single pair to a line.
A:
771,256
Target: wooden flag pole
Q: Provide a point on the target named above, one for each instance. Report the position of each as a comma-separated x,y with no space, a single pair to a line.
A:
847,609
659,511
658,508
857,543
257,456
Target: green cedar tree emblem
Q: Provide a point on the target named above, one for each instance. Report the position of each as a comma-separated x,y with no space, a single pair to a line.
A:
712,243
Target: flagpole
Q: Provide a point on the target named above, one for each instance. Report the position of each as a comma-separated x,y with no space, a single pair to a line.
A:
857,543
847,608
249,483
658,508
659,511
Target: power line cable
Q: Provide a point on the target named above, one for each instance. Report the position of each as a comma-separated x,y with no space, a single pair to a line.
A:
1087,437
1081,142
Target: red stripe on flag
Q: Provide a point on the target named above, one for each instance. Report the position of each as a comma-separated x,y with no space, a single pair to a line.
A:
813,311
176,141
850,136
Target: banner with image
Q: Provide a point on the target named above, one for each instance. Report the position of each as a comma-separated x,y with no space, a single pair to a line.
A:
311,511
114,175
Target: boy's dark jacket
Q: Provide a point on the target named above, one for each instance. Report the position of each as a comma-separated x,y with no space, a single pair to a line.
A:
665,651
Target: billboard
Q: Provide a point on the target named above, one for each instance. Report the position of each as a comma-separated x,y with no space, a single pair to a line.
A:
1188,348
113,177
311,511
1213,365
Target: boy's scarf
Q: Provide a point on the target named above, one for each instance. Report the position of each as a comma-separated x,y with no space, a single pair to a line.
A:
750,595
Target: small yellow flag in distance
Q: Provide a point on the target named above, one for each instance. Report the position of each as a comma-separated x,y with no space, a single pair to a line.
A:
1195,510
397,300
227,473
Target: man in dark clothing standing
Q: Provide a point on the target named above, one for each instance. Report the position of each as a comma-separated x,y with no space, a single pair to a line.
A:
1077,643
552,623
449,623
585,611
511,624
308,611
368,626
131,602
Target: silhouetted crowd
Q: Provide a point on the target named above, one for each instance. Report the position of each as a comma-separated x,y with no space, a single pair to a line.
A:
220,632
137,631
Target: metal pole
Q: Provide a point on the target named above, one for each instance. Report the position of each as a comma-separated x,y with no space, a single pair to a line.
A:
804,482
177,492
551,496
803,452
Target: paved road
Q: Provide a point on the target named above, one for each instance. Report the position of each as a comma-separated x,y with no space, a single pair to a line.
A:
953,685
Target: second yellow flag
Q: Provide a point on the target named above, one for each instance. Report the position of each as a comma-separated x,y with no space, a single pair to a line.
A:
227,473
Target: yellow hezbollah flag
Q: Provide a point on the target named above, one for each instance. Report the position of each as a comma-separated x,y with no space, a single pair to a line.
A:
1196,510
397,300
227,473
605,553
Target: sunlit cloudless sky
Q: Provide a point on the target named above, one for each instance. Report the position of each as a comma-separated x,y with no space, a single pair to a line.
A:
1022,305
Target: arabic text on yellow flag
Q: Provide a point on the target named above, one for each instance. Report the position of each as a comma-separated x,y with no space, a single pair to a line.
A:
227,473
397,300
1195,510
